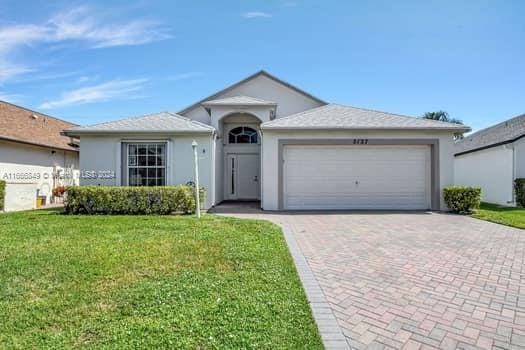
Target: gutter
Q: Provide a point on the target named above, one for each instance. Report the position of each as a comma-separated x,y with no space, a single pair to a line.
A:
489,146
38,144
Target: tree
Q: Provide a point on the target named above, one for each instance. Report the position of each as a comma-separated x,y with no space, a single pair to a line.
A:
443,116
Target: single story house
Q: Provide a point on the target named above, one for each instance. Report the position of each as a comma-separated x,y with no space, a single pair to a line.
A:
34,156
265,139
492,159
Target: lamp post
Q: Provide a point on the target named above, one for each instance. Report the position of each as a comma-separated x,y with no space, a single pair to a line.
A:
196,174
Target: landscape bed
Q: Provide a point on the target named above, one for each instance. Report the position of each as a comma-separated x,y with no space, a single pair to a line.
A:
148,282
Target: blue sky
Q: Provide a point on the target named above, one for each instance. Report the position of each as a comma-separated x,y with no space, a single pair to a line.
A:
88,62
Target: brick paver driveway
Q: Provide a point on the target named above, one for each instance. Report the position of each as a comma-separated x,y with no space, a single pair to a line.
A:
416,280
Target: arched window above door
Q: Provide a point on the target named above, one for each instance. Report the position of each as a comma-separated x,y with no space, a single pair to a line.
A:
242,134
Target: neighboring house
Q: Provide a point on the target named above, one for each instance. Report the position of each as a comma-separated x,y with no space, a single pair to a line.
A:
264,139
34,156
492,159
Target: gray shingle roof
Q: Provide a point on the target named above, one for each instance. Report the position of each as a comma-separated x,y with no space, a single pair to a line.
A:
505,132
239,101
335,116
157,122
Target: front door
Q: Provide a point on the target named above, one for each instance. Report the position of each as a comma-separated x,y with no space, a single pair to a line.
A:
243,176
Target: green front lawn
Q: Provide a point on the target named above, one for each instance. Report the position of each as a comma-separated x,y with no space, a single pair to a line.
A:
148,282
502,215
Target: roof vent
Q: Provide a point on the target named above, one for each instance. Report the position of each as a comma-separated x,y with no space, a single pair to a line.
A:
34,116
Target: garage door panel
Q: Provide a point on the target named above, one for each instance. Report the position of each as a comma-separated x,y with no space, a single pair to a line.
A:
350,177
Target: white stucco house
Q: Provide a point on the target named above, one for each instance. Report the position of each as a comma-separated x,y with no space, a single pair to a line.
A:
492,159
265,139
34,156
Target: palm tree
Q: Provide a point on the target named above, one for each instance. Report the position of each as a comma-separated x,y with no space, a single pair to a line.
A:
443,116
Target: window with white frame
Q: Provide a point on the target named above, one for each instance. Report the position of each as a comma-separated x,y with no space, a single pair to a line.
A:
242,134
146,164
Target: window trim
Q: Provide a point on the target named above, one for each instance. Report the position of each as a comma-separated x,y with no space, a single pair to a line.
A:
125,160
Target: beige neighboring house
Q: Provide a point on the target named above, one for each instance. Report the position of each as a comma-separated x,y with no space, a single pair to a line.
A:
265,139
34,156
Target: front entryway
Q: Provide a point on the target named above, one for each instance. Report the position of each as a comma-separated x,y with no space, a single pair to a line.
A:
243,176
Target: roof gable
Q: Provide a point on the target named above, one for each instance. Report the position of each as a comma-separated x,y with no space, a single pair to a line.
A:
251,86
20,124
504,132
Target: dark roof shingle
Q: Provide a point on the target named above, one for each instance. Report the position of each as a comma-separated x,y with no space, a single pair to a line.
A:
501,133
20,124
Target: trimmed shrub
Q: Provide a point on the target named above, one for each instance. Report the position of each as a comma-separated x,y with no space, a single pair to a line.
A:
519,190
115,200
2,194
462,199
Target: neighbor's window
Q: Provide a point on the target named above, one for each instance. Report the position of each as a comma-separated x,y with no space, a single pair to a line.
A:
147,164
242,134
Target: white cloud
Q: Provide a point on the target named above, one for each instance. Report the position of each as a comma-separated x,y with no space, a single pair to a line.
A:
256,14
13,98
111,90
78,24
183,76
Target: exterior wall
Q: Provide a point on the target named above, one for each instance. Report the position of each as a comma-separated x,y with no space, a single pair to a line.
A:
103,154
289,101
27,164
491,169
270,155
519,149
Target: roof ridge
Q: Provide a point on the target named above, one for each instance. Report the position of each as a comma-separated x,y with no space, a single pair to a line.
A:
396,114
489,128
302,112
340,116
122,119
189,119
33,111
163,114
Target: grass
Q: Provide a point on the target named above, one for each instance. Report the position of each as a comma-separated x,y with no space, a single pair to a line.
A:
115,282
509,216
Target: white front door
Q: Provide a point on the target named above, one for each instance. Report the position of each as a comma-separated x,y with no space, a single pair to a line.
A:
356,177
243,176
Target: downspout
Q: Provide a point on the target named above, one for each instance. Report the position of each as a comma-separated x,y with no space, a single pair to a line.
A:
213,167
514,174
261,183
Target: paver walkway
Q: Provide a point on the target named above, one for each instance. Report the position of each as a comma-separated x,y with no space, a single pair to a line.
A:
414,280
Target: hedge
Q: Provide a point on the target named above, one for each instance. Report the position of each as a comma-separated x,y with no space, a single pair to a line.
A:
2,194
519,190
462,199
115,200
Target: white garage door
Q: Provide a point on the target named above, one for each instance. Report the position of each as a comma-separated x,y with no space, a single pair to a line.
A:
356,177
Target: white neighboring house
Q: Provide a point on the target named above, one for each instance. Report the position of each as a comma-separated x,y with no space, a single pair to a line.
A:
34,156
492,159
265,139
